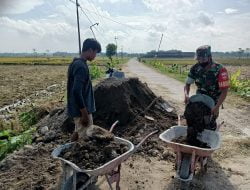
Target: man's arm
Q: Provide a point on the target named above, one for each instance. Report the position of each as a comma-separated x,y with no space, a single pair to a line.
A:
186,93
189,81
220,100
223,82
78,87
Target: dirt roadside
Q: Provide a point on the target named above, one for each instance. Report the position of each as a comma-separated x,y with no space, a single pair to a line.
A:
227,168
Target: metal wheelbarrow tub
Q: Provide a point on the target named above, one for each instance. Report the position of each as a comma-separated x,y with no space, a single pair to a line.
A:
186,155
102,170
212,138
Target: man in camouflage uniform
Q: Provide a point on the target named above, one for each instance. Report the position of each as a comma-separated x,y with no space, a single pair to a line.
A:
210,78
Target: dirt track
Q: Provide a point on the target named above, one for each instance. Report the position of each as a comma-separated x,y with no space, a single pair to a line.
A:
228,168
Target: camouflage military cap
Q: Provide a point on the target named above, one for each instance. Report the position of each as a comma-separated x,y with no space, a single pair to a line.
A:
203,51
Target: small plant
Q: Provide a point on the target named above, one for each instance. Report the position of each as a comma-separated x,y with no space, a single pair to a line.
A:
28,119
9,143
242,87
95,72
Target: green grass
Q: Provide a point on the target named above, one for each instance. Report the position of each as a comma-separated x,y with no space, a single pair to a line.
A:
174,70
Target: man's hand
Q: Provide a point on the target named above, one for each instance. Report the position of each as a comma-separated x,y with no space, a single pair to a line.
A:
186,93
186,99
84,117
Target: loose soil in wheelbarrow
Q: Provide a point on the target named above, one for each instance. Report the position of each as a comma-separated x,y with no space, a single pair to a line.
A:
91,154
196,142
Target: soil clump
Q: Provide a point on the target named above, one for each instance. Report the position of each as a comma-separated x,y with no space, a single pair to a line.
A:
91,154
196,142
198,117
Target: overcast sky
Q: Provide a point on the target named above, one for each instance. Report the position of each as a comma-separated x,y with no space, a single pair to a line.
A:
138,24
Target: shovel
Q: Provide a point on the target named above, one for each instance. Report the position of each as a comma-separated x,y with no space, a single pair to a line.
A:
98,133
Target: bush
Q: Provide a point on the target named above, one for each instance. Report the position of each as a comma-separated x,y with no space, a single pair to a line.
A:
242,87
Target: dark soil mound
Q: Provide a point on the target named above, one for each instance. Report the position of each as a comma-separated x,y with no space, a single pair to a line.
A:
130,101
197,115
125,100
92,154
121,99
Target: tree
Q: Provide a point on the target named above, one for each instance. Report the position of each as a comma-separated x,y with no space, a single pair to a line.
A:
34,52
247,51
240,52
111,50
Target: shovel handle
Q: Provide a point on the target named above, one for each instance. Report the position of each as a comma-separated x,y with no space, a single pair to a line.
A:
218,127
145,138
113,126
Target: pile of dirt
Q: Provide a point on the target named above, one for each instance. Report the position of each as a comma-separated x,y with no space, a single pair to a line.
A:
120,99
138,110
128,100
30,168
91,154
196,142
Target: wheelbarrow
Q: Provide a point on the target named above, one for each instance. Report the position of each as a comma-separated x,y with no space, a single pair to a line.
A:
111,170
187,157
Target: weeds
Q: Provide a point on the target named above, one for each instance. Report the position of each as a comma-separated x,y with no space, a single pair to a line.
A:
241,87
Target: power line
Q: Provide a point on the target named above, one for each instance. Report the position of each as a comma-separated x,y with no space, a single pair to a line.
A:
85,14
89,20
99,15
117,22
101,34
110,19
97,11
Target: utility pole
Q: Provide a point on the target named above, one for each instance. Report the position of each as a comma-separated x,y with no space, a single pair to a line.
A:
92,29
78,26
122,52
159,45
116,45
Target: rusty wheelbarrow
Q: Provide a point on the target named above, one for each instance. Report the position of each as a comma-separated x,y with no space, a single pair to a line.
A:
111,170
187,157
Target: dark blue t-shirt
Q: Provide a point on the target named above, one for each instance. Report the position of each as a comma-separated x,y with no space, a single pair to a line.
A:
79,88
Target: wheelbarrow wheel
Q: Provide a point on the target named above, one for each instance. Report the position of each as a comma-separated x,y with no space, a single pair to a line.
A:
185,167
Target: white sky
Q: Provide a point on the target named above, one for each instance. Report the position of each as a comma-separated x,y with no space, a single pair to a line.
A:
185,24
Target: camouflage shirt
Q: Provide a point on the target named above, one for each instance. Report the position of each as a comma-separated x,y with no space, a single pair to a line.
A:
209,81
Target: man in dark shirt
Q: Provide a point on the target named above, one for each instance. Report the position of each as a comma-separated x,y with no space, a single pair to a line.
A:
80,95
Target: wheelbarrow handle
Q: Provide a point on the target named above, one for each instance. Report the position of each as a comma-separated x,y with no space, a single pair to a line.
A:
218,127
145,138
113,126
